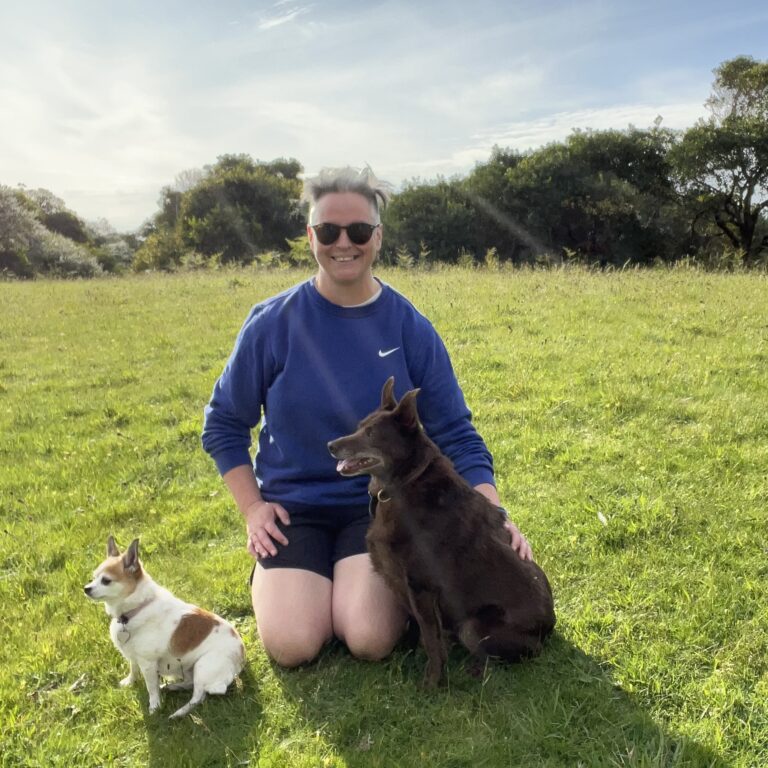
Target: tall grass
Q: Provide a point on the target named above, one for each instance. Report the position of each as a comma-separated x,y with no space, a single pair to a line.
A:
628,417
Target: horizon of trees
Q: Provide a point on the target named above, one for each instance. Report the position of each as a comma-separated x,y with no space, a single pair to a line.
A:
610,197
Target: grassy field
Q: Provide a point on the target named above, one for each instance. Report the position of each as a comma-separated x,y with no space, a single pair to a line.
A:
628,416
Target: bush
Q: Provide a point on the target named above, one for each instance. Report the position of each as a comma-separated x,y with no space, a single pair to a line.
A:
57,256
18,229
466,259
116,256
161,250
27,248
403,257
300,254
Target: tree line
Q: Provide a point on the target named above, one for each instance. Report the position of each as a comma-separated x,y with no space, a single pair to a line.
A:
612,197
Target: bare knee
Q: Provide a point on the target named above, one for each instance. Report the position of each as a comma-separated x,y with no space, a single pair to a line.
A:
366,614
292,648
372,643
293,614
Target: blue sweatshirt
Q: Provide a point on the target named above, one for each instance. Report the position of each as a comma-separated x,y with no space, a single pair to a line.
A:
309,371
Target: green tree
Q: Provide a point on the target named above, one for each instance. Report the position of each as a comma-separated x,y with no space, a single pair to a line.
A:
498,212
722,162
18,229
287,168
28,248
230,211
113,250
170,208
53,214
434,221
161,249
605,195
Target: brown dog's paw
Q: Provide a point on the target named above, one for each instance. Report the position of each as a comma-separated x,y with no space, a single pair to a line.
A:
432,676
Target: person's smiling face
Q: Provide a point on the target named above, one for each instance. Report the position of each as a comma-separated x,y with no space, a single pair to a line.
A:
344,268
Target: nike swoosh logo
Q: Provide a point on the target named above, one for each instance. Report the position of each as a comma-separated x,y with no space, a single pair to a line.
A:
388,352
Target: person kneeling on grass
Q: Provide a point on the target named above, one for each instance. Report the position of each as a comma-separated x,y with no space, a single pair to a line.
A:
307,365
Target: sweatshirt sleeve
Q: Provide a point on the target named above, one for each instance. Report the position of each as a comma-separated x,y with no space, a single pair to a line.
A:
238,396
443,410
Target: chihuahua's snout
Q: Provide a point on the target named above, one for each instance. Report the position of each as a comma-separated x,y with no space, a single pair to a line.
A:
87,590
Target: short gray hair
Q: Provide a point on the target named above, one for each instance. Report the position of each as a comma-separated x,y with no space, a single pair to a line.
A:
361,181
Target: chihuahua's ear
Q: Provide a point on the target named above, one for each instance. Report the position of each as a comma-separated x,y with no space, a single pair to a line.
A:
406,411
112,550
131,557
388,402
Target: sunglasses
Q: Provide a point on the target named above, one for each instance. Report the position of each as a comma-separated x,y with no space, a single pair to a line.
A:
358,233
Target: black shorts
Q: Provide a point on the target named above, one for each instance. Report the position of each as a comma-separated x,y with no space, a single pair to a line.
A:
318,537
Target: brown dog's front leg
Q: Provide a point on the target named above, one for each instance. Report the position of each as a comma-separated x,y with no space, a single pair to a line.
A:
424,607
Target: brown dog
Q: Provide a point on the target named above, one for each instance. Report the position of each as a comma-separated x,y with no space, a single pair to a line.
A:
441,545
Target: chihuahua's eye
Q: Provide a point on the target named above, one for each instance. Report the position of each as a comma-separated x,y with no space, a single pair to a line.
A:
105,580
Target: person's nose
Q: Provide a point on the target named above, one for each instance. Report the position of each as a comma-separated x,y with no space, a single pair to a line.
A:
344,241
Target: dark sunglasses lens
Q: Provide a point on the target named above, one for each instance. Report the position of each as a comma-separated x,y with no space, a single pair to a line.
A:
327,233
360,232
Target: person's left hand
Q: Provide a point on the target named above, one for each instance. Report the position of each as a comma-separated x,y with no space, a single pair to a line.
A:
518,542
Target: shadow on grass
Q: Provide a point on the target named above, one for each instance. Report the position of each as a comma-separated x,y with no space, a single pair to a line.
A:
561,709
222,731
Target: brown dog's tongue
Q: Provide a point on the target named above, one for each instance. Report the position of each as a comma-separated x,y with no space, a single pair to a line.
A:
341,465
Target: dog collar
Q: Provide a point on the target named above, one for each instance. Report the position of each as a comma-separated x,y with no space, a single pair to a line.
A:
382,494
124,618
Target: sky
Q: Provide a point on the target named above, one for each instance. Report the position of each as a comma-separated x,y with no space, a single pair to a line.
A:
103,103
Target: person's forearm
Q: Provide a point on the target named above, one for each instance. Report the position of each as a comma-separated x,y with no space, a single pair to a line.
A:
243,486
490,493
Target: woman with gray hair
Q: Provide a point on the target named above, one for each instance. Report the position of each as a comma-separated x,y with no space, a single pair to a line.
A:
307,365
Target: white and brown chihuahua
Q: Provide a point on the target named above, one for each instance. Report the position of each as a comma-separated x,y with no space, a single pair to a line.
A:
162,636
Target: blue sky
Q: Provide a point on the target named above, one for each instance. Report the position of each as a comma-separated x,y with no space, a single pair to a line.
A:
103,102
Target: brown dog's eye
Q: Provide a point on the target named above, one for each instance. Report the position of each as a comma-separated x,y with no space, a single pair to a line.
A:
368,431
105,580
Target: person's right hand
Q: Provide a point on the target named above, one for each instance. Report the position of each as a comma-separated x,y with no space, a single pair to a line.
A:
262,529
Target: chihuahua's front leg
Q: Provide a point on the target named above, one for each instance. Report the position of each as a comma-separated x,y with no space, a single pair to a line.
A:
133,675
152,679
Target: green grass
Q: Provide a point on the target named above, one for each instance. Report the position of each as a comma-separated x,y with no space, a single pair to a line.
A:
628,416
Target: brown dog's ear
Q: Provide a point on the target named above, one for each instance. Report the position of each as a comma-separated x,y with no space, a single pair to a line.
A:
112,550
406,410
131,557
388,402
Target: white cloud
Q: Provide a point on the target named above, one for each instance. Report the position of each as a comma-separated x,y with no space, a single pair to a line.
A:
270,22
530,134
96,132
105,110
499,92
535,133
